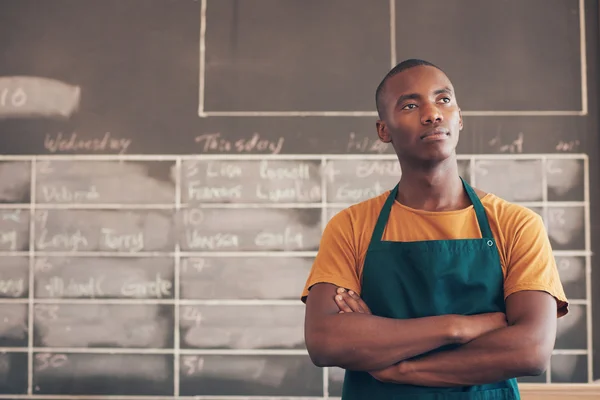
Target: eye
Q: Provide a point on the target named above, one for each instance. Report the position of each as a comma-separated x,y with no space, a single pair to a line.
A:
446,99
409,106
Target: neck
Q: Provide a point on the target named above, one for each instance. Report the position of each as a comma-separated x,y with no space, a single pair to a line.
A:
432,188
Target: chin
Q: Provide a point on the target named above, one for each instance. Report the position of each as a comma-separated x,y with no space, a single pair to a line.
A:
436,155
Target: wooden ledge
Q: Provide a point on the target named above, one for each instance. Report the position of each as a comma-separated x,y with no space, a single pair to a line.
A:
530,391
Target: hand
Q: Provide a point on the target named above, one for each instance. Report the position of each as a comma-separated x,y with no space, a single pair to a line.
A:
473,326
348,301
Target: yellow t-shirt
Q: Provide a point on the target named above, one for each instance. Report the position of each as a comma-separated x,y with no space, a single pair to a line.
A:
525,252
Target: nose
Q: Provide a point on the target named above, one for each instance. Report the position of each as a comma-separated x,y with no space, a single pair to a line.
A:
430,114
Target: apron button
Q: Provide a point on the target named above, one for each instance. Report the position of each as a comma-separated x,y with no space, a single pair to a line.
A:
490,243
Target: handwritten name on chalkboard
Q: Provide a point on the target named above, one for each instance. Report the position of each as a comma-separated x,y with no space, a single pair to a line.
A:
251,181
250,229
105,277
93,230
352,181
100,182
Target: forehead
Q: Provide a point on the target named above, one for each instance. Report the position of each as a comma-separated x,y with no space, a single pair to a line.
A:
422,80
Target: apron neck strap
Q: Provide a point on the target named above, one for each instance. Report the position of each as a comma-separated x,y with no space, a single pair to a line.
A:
384,215
482,220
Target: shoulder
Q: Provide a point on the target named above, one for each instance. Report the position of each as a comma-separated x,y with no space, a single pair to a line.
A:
508,214
515,226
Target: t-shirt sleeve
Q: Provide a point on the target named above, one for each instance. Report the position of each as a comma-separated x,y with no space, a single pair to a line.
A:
336,260
531,264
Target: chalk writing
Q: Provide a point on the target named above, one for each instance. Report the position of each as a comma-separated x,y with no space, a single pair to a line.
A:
63,194
12,287
69,242
193,216
347,193
199,191
193,264
114,241
70,287
366,145
47,360
223,170
157,288
62,142
14,215
299,171
365,169
570,145
295,193
42,265
13,97
214,142
46,312
192,364
515,146
196,240
8,238
191,314
285,238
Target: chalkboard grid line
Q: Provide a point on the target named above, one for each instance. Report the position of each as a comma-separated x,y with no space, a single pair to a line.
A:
323,204
194,254
185,302
32,255
324,219
290,157
176,291
202,57
588,265
583,53
393,56
241,352
545,218
119,397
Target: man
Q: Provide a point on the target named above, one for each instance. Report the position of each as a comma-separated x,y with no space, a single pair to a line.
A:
459,291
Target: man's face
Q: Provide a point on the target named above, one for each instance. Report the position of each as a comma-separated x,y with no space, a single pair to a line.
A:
421,119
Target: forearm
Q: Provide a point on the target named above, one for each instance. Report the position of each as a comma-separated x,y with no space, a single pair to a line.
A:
499,355
364,342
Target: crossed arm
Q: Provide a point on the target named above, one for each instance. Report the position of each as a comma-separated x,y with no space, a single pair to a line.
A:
491,349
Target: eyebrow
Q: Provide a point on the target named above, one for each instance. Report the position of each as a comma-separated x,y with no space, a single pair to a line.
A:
414,96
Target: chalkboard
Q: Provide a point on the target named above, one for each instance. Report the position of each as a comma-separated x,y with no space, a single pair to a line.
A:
168,167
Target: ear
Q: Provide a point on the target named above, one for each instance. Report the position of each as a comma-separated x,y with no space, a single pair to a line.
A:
382,132
460,119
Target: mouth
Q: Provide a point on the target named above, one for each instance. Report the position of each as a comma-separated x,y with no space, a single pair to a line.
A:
435,134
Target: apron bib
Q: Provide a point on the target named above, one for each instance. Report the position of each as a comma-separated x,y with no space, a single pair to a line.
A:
428,278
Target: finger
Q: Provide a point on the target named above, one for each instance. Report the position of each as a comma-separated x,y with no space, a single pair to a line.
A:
352,303
341,303
360,301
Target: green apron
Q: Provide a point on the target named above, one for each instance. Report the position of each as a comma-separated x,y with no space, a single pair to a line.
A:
427,278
